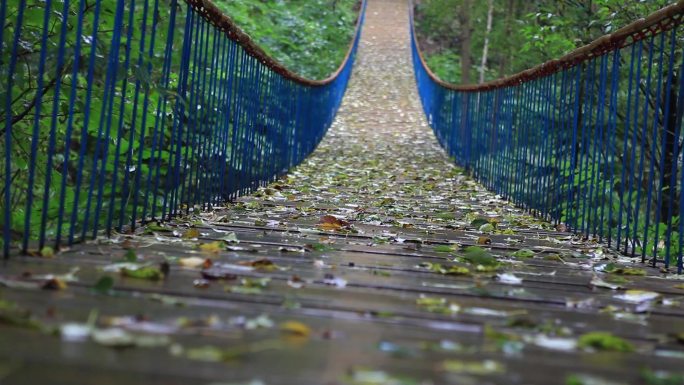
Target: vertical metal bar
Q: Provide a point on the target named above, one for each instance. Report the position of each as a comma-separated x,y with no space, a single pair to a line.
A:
642,155
611,148
663,147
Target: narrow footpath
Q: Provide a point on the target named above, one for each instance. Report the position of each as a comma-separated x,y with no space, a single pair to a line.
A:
376,261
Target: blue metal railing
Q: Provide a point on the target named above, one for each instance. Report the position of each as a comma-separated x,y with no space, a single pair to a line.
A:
592,141
119,112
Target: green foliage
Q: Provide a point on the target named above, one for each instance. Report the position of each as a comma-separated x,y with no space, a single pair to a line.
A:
446,65
524,33
310,37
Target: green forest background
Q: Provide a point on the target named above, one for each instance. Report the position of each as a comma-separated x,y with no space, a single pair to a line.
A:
522,33
310,37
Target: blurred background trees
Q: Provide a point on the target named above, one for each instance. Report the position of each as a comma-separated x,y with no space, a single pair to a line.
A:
523,33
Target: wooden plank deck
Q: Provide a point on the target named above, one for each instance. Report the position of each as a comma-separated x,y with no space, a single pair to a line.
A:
389,293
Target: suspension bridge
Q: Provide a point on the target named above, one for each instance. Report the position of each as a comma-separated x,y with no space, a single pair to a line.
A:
178,207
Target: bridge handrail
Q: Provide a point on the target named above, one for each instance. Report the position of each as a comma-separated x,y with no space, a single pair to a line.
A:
592,141
115,113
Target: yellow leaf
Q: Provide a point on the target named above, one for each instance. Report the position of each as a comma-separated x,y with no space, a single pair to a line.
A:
295,328
329,226
47,252
212,248
329,222
261,264
191,233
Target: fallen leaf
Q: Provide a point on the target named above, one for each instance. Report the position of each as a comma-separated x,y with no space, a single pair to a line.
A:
231,237
444,248
113,337
191,234
604,341
622,270
75,332
478,256
437,305
486,228
598,282
263,321
364,376
245,290
479,368
194,262
157,227
47,252
130,256
295,282
295,328
167,300
54,284
152,273
263,264
329,222
637,296
255,282
509,278
555,343
479,222
523,253
335,281
104,285
212,247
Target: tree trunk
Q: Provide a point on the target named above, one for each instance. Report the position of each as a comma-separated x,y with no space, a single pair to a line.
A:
465,41
506,52
485,48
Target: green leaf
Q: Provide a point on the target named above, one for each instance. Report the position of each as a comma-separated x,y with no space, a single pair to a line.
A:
604,341
321,247
104,285
151,273
444,248
621,270
478,222
524,253
446,216
479,256
130,256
